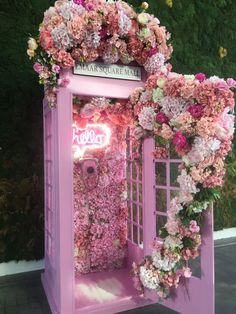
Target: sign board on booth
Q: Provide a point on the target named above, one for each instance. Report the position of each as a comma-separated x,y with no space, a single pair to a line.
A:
117,71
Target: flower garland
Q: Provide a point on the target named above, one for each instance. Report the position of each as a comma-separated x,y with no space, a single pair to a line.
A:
86,30
194,115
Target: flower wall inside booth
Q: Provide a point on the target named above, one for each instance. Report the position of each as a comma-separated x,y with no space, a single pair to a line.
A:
100,221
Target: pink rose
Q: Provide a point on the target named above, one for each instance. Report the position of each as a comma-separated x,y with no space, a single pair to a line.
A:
38,67
193,227
179,140
222,85
55,68
200,77
196,111
231,82
161,118
46,40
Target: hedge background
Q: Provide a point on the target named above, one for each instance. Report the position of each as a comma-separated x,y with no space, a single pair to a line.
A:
199,28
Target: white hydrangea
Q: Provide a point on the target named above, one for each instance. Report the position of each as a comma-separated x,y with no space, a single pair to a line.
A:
61,37
148,280
147,118
157,94
124,23
198,207
201,149
186,183
173,107
172,242
163,263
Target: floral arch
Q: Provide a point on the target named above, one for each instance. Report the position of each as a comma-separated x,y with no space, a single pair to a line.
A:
191,113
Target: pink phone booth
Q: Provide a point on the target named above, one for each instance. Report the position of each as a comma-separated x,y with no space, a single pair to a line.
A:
87,271
72,283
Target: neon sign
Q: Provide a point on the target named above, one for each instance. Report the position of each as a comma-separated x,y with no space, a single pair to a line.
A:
94,136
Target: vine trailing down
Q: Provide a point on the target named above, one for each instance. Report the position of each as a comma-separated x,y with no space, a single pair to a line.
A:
79,31
194,115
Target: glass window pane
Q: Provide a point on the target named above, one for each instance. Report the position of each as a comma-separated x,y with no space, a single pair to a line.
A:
128,190
141,236
135,234
128,170
141,215
140,193
195,265
135,212
160,173
134,191
160,223
134,171
129,231
161,202
174,172
173,194
173,154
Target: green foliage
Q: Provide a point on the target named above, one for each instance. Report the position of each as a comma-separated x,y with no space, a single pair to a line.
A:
199,28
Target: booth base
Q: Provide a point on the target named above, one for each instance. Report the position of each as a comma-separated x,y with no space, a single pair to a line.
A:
107,292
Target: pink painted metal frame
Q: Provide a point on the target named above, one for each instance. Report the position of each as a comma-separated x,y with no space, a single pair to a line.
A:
59,277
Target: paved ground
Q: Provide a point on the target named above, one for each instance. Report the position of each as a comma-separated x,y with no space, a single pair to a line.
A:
23,293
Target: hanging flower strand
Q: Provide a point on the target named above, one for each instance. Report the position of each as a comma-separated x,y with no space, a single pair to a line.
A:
193,114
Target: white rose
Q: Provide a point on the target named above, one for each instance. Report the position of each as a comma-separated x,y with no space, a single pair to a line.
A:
32,45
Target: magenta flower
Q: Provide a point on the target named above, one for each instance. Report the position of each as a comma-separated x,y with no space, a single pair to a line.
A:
200,77
161,118
79,2
152,51
38,67
196,111
103,32
179,140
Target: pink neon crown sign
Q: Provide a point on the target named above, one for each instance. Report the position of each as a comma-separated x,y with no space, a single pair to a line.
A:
93,136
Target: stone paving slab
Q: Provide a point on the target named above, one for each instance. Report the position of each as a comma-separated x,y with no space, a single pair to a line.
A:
23,293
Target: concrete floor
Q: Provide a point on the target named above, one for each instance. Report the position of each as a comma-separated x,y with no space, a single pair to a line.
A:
23,293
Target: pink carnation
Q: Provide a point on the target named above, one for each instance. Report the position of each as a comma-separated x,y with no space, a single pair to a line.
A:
196,111
179,140
161,118
46,40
